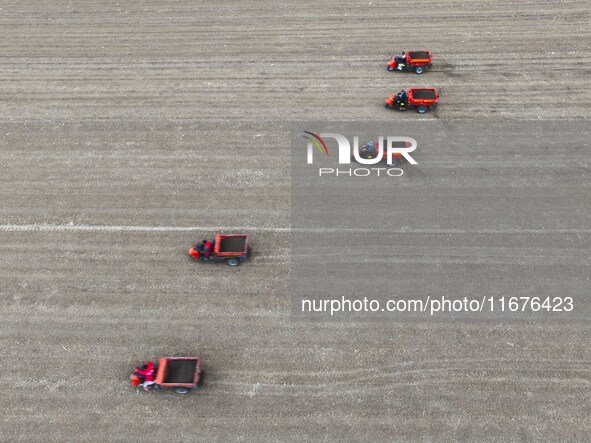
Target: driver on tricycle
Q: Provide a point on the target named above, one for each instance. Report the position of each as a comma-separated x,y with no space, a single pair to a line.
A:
145,375
400,61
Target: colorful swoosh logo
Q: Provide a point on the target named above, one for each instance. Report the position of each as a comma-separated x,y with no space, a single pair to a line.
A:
317,141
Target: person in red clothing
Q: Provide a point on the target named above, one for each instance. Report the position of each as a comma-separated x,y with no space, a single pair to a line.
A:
148,374
207,246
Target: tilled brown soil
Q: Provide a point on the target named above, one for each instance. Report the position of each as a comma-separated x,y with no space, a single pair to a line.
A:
131,130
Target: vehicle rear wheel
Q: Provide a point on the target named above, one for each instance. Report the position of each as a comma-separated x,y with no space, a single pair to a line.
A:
232,262
421,109
419,70
390,68
182,390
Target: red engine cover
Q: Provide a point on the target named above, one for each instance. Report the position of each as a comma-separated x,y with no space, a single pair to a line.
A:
193,252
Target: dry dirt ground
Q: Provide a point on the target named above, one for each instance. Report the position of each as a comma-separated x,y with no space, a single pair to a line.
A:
124,121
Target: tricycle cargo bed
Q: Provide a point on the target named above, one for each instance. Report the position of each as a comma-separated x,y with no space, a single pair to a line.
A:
418,55
178,371
423,94
232,244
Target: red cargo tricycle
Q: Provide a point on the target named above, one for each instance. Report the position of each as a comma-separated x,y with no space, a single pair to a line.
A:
232,249
421,99
180,374
417,61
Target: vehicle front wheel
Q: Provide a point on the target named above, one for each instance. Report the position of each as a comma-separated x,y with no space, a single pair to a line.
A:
232,262
182,390
390,68
419,70
421,109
